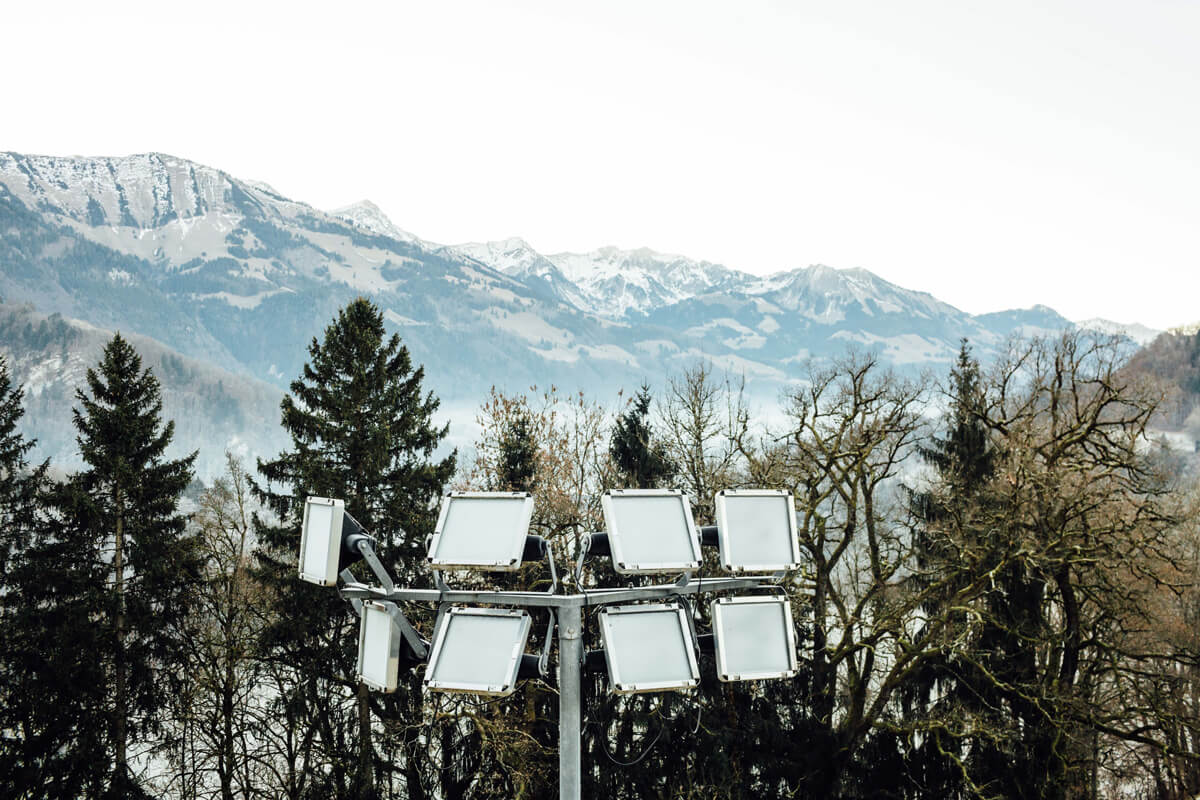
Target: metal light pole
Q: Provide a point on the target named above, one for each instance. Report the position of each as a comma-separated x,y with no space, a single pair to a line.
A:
570,703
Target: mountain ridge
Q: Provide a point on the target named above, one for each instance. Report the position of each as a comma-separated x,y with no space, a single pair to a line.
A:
232,273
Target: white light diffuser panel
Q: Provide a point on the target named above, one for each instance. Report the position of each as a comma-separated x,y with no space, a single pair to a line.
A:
756,530
481,530
755,638
378,648
478,651
648,648
650,530
321,540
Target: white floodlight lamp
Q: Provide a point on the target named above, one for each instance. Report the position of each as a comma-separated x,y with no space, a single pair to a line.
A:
650,531
387,643
756,530
481,530
755,638
379,641
324,549
478,651
648,648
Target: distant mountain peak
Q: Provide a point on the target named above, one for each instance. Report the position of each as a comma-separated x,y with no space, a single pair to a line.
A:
369,217
1139,333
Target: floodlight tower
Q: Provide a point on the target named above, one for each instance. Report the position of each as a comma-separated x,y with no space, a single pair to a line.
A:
649,642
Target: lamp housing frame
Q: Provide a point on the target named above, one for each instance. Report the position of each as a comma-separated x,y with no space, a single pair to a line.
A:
725,531
514,663
616,684
724,673
620,557
328,577
511,562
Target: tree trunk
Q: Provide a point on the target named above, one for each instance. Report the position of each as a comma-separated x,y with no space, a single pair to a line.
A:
366,771
225,762
120,678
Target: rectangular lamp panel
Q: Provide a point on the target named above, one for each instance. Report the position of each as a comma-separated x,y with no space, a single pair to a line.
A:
378,648
648,648
757,531
650,531
321,540
755,638
481,530
478,651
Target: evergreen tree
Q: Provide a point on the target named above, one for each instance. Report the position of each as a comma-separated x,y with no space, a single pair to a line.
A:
362,431
1004,751
111,584
642,461
937,692
517,464
130,493
21,489
19,485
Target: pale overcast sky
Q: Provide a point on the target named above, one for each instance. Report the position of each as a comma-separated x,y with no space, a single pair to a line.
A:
995,154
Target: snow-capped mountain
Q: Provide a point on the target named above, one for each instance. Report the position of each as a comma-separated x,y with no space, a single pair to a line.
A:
609,282
368,217
516,258
230,272
1138,333
769,324
226,270
617,282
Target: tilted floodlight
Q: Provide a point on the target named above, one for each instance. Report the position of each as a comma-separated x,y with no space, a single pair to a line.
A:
329,540
478,651
755,638
386,642
650,530
756,530
648,648
481,530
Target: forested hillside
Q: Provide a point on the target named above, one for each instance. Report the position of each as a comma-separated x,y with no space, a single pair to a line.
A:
1174,357
215,410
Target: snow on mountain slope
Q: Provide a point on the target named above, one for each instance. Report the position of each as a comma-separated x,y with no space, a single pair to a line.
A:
142,191
367,216
1139,333
616,282
824,294
512,256
516,258
231,271
174,213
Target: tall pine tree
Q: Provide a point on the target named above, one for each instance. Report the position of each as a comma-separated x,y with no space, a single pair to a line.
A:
940,691
128,494
362,431
22,489
110,583
1005,749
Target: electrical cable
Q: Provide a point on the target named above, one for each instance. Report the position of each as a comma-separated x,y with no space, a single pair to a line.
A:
641,756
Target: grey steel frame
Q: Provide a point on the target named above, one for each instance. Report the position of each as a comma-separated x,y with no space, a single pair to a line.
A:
568,608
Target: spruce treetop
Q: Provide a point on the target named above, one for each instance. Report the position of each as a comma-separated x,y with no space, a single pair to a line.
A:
120,422
13,446
642,462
